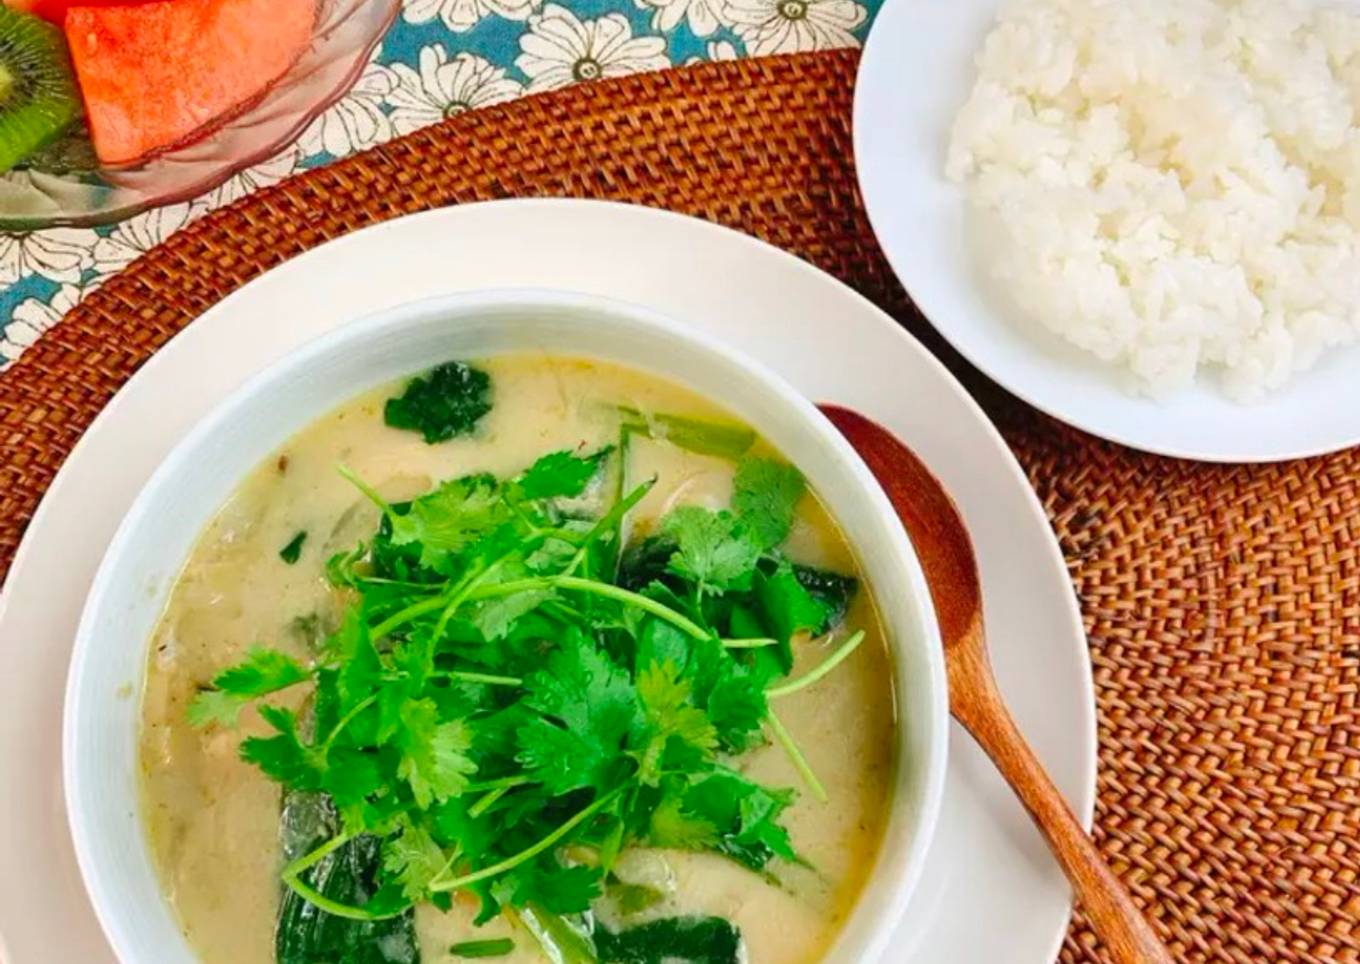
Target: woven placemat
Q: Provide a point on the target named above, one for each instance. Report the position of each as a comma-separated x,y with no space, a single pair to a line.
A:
1222,603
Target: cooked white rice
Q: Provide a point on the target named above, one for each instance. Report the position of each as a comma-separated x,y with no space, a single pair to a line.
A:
1173,184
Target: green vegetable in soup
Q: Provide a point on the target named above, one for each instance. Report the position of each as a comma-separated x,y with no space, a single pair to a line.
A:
495,947
444,404
293,551
502,713
674,940
306,934
721,439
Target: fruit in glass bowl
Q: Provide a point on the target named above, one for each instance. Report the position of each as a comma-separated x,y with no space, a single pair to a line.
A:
110,107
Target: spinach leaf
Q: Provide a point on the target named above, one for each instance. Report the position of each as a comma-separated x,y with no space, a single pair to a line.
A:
832,590
305,934
672,940
447,402
580,939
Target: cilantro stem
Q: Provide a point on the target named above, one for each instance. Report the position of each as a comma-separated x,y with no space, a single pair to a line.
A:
620,486
409,613
450,599
754,642
486,678
826,666
596,588
506,782
611,519
785,739
528,853
353,478
309,860
637,600
487,801
346,720
460,594
349,911
292,877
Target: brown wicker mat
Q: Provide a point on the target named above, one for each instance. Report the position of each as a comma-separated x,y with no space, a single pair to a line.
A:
1223,604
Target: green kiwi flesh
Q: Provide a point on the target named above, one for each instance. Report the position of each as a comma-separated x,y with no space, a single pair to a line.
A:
38,95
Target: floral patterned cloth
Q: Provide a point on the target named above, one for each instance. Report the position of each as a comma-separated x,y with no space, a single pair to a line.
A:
441,57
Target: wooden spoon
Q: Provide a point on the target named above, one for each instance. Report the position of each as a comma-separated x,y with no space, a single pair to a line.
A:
946,553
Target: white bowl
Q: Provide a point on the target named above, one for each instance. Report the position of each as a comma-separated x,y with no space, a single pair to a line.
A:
138,571
901,131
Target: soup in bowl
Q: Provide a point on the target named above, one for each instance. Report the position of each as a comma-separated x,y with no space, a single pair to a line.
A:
513,625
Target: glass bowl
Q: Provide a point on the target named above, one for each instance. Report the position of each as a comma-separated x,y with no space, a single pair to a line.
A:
67,187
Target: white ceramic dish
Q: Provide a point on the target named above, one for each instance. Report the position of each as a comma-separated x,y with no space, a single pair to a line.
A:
916,72
100,738
987,862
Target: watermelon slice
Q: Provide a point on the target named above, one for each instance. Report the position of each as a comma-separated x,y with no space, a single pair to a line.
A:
154,74
55,10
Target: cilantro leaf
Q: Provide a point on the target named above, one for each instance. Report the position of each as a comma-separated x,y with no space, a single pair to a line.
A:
675,730
589,707
360,666
351,775
447,402
737,706
746,816
214,706
559,475
557,889
789,609
732,696
494,617
713,549
765,495
263,671
284,757
413,859
450,519
673,826
434,759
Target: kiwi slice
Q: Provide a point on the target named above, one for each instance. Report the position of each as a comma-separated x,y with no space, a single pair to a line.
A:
38,95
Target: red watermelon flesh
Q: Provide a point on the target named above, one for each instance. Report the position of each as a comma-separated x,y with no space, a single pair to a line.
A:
153,74
55,10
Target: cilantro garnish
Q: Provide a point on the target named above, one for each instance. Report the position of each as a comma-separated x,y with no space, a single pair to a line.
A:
766,494
446,403
513,697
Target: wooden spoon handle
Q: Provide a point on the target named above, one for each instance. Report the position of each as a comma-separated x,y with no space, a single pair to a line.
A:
976,703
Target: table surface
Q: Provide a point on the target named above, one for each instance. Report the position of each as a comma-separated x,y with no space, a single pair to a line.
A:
441,57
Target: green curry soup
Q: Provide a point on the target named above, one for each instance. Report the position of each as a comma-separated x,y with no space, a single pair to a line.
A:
537,659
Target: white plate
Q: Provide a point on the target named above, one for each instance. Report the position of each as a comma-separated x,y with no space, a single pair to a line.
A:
987,864
916,73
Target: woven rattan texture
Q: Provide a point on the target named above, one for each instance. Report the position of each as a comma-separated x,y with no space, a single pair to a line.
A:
1223,604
